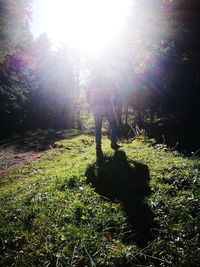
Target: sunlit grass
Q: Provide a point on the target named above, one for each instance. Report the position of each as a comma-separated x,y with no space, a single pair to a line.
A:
50,215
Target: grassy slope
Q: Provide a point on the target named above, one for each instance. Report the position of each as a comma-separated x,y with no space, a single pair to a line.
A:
50,216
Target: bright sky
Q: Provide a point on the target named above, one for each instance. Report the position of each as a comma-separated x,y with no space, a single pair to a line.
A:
84,24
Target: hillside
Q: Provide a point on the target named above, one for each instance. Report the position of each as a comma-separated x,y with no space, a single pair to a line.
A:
135,207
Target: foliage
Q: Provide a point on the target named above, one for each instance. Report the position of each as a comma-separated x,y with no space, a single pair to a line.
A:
15,85
38,85
15,63
156,58
51,216
52,101
14,19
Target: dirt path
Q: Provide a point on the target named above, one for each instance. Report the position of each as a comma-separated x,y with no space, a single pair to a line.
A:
19,149
11,158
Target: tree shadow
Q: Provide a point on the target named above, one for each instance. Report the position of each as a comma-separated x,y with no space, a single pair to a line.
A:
182,134
126,181
39,140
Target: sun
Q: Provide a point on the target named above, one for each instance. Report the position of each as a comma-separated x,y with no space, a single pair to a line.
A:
86,25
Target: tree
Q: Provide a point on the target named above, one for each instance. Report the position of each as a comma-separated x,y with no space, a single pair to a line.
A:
54,95
14,24
15,78
15,85
159,46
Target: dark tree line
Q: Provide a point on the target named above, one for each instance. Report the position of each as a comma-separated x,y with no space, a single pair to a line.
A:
38,86
159,64
157,57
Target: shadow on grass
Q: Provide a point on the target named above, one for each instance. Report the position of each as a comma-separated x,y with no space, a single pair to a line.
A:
39,140
126,181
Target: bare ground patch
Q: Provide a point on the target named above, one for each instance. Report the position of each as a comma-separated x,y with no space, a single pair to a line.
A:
30,146
11,158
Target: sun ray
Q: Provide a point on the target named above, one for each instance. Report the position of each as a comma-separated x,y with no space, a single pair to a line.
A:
85,25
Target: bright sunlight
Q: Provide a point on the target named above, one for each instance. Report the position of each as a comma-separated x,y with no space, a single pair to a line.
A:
87,25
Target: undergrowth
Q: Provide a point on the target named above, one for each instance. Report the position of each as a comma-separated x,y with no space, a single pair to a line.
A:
52,216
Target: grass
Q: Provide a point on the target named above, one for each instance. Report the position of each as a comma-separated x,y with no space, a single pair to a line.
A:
138,207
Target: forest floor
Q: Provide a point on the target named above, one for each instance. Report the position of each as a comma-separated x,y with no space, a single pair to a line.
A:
64,207
11,158
17,150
